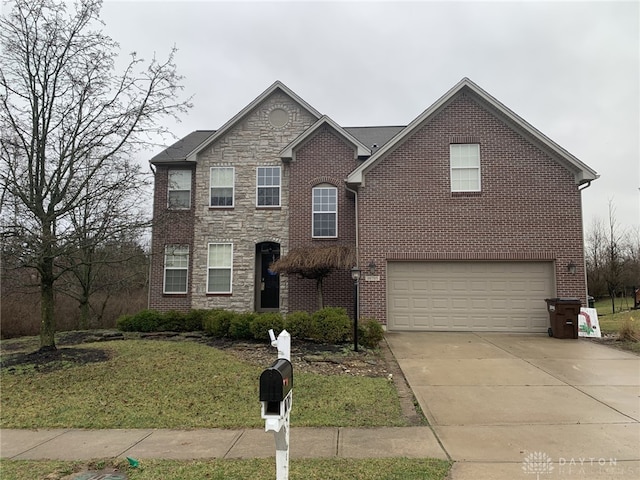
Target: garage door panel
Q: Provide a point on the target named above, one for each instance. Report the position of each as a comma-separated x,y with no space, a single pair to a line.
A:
483,296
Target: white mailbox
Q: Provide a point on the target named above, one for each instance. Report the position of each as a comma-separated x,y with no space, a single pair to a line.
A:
276,398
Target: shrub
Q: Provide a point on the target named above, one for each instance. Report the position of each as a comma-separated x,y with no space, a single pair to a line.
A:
332,325
300,325
370,333
217,322
240,326
172,321
194,320
263,322
628,331
125,323
143,321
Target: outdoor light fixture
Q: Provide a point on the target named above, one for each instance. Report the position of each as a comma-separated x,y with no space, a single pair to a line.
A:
355,274
372,267
571,267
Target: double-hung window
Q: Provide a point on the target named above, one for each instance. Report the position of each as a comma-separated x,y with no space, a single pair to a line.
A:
222,186
325,211
268,187
179,195
176,268
465,167
219,267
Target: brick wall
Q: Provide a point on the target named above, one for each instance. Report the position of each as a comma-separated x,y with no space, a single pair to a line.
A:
529,207
323,159
169,227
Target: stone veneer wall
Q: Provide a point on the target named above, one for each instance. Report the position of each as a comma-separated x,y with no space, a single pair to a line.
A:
252,142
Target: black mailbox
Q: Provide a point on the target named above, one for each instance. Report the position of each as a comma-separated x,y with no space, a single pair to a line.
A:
276,381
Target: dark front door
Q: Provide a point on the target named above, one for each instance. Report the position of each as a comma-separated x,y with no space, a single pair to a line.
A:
269,281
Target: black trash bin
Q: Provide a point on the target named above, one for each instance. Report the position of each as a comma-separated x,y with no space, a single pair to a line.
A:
563,317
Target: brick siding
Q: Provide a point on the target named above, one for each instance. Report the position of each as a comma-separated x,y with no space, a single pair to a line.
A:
529,207
324,159
169,227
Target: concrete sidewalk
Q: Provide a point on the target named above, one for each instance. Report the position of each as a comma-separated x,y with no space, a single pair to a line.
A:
73,444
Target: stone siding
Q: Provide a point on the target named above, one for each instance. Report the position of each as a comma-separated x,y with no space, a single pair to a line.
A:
250,143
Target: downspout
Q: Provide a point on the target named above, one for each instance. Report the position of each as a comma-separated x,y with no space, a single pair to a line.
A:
584,258
355,194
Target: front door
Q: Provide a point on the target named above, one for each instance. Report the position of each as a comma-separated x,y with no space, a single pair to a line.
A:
268,282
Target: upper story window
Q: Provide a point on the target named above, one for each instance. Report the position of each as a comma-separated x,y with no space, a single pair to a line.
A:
219,267
176,267
325,211
268,187
179,195
222,186
465,167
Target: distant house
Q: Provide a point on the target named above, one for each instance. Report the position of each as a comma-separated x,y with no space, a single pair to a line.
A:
465,219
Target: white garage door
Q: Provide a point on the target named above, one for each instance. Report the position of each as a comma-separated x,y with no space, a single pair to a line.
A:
469,296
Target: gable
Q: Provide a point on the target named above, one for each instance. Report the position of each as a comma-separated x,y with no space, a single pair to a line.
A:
240,116
325,122
581,172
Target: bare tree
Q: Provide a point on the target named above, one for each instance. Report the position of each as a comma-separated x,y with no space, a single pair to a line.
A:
70,126
316,263
613,272
596,258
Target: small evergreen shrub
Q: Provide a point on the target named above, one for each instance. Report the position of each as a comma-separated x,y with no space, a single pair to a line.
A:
240,326
217,322
370,332
172,321
332,325
194,320
300,325
143,321
264,322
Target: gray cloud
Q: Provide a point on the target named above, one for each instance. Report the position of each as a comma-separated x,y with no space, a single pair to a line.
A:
571,69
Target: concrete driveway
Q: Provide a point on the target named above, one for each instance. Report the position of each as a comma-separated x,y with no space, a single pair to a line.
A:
510,406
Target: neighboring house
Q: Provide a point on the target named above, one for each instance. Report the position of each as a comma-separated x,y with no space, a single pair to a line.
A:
465,219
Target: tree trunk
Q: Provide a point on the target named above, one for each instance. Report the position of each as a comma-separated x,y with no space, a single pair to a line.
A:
47,278
319,289
48,321
84,313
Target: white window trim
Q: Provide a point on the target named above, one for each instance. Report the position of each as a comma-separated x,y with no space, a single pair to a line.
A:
165,268
478,169
230,268
313,212
233,187
258,187
169,189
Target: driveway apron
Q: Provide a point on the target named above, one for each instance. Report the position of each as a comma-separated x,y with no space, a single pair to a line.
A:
524,405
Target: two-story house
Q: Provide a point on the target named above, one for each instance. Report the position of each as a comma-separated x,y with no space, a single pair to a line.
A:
467,218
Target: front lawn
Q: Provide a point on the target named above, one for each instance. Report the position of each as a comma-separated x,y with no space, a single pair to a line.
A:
168,384
622,326
254,469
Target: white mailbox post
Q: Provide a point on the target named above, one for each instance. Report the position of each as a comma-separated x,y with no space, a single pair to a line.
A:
276,397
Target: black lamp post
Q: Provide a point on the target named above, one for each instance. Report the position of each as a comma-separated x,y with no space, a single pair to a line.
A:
355,274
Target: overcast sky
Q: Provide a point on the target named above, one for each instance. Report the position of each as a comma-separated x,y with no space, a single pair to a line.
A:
571,69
